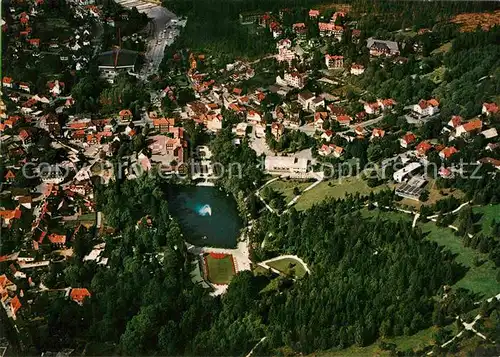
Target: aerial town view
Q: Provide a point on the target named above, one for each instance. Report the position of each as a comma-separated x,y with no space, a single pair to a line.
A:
250,178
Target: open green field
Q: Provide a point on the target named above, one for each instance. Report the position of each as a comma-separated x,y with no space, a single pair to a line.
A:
488,213
480,279
285,265
388,215
403,343
286,187
338,189
220,270
443,49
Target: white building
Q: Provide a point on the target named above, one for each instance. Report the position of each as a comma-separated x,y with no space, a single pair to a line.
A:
401,174
294,79
426,108
285,164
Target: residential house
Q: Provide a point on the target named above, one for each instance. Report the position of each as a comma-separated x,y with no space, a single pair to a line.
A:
489,109
57,240
327,135
377,133
491,161
379,106
254,116
492,146
490,133
423,148
335,110
382,48
357,69
7,82
241,129
214,122
299,28
56,87
9,176
52,174
329,29
24,87
455,121
344,120
447,152
25,137
334,62
317,103
295,79
277,130
305,99
313,14
407,140
445,172
163,124
360,131
331,149
125,115
319,119
426,108
469,128
79,295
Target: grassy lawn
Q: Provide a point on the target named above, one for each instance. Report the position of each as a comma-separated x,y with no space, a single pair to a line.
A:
338,189
488,213
403,343
443,49
286,187
388,215
480,279
284,265
220,270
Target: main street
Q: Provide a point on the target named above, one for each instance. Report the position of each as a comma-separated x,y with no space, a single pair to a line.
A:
163,28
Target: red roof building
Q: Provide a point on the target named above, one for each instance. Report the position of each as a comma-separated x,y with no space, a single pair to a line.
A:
407,140
423,148
490,109
78,295
447,152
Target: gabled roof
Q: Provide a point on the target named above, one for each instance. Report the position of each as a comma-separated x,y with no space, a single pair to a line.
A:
79,294
9,175
377,132
57,238
125,113
448,151
15,304
455,121
423,147
409,138
472,125
24,134
491,107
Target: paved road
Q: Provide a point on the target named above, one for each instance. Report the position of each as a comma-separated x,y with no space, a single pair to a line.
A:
160,18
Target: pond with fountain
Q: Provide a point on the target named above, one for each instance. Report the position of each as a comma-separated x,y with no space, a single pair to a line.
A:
208,216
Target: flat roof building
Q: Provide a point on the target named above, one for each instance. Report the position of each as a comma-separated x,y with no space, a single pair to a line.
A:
284,164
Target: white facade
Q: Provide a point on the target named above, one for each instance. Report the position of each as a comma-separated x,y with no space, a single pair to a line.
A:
283,164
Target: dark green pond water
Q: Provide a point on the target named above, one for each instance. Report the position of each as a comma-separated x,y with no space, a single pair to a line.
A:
208,216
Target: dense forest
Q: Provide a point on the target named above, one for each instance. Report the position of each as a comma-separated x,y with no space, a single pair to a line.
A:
370,277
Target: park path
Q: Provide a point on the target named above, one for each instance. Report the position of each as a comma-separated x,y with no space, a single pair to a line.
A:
266,266
467,327
254,347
